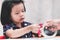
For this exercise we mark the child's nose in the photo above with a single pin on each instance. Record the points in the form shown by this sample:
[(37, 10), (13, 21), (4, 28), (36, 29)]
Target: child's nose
[(21, 14)]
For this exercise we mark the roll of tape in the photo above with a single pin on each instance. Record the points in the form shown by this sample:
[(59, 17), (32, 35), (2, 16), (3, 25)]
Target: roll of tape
[(45, 31)]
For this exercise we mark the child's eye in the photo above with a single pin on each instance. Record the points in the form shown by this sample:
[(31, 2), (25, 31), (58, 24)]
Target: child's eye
[(23, 11), (17, 13)]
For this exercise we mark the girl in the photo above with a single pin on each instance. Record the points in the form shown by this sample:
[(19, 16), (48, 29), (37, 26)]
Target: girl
[(12, 19)]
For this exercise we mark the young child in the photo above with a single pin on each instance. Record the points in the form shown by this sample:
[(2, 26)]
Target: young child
[(12, 19)]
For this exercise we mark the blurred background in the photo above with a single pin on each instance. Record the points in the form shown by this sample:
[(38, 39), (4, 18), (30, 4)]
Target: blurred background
[(38, 11)]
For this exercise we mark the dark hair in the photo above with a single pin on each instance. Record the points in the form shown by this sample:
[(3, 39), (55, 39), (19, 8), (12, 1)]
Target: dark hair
[(6, 10)]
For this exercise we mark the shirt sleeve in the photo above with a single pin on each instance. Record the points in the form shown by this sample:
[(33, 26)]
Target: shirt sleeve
[(6, 27)]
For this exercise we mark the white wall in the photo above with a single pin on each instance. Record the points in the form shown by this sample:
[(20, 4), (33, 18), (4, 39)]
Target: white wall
[(38, 10), (42, 10), (1, 28), (32, 7), (56, 9)]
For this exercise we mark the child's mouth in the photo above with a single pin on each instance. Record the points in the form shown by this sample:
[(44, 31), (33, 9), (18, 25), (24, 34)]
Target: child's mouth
[(21, 19)]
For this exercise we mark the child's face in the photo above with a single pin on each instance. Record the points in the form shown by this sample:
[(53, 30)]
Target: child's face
[(17, 13)]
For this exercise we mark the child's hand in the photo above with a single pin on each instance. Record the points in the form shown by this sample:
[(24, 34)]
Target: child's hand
[(35, 28)]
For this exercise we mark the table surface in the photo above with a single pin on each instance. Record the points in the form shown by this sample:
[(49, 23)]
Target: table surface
[(54, 38)]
